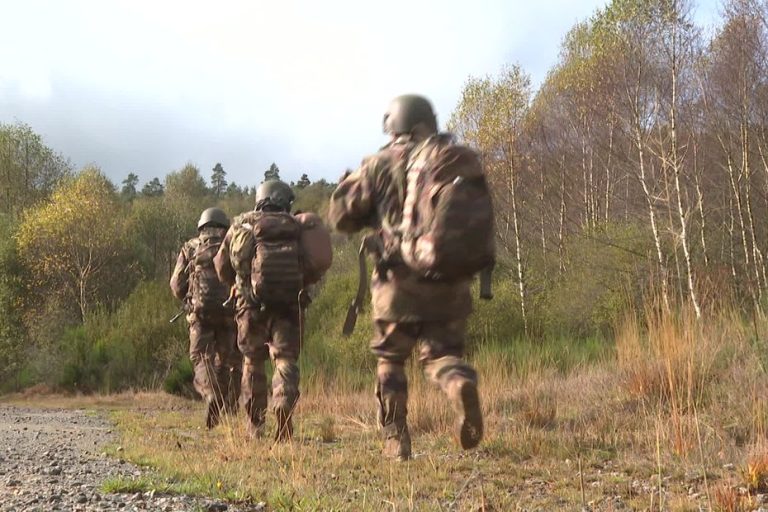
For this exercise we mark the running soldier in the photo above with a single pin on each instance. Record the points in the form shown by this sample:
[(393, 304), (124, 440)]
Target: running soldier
[(270, 257), (427, 201), (212, 334)]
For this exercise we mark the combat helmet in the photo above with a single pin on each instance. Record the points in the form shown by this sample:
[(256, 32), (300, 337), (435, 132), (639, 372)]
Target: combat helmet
[(274, 194), (213, 217), (408, 111)]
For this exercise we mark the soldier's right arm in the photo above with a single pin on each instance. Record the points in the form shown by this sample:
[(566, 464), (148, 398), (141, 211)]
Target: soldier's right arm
[(180, 276), (222, 263), (353, 205)]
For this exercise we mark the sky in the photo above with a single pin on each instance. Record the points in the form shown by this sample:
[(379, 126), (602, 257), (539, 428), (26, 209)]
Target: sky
[(147, 86)]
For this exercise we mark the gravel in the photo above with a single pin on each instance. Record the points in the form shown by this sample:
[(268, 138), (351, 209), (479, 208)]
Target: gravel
[(53, 459)]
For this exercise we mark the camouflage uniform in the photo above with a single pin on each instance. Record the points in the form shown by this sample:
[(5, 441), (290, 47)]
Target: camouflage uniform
[(264, 332), (408, 311), (212, 339)]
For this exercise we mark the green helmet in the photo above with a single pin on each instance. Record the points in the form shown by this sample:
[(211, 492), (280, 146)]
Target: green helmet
[(275, 194), (406, 112), (213, 217)]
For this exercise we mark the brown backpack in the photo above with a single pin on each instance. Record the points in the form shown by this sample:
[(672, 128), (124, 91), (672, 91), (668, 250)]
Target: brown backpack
[(315, 245), (207, 294), (276, 273), (280, 253), (448, 228)]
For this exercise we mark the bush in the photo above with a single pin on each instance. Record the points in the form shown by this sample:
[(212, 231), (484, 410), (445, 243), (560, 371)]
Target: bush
[(604, 270), (179, 379), (134, 346)]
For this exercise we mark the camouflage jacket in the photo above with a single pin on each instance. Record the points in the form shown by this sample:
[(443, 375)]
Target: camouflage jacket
[(183, 268), (226, 271), (372, 197), (224, 268)]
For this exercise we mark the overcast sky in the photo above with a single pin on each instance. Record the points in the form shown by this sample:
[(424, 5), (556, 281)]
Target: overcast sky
[(146, 86)]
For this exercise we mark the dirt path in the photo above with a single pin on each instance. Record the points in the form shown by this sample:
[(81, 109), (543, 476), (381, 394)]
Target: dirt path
[(53, 459)]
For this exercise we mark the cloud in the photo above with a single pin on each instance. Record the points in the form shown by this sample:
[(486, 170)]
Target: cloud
[(143, 86)]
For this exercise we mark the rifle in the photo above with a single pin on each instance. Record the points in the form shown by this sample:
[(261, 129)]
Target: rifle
[(369, 244), (486, 286), (178, 315)]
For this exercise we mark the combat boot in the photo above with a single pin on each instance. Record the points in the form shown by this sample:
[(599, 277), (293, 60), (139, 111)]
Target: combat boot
[(466, 402), (254, 422), (213, 416), (397, 442)]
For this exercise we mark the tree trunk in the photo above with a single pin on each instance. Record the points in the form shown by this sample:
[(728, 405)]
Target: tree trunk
[(518, 249), (676, 172)]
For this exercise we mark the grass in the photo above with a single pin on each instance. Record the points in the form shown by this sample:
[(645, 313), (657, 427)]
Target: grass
[(670, 417)]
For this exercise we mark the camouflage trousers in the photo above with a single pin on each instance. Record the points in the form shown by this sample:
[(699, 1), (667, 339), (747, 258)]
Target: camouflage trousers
[(441, 350), (217, 362), (267, 334)]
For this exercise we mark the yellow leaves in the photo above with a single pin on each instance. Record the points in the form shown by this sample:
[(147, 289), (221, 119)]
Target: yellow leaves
[(74, 233), (492, 110)]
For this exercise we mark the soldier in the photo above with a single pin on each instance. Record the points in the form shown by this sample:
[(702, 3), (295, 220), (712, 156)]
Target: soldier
[(263, 257), (212, 335), (409, 309)]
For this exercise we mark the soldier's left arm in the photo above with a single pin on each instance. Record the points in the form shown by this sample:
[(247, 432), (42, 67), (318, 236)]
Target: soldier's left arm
[(352, 205), (180, 276), (222, 263)]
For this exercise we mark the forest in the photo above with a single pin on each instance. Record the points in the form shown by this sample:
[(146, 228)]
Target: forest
[(634, 176)]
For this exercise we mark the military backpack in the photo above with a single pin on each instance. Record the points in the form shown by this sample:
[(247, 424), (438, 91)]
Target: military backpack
[(206, 293), (275, 255), (447, 230)]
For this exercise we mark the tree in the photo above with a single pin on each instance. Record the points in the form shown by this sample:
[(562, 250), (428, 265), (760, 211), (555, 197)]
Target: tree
[(273, 173), (12, 336), (303, 182), (186, 195), (218, 181), (313, 198), (152, 226), (233, 190), (128, 191), (29, 170), (72, 245), (153, 188), (490, 117), (186, 183)]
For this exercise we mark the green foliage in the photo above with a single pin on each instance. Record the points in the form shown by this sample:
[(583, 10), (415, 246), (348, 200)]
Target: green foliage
[(185, 196), (152, 228), (303, 181), (72, 245), (218, 180), (314, 197), (273, 173), (603, 272), (491, 111), (233, 190), (29, 170), (179, 379), (12, 336), (134, 346), (327, 355), (186, 183), (128, 192), (153, 188)]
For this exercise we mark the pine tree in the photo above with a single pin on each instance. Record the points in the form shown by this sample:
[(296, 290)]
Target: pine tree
[(273, 173), (218, 180)]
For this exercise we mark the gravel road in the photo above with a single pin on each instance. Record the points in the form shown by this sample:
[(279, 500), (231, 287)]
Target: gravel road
[(53, 459)]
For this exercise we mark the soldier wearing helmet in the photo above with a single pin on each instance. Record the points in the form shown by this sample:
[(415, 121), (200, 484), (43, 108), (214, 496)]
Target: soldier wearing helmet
[(408, 309), (268, 285), (212, 335)]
